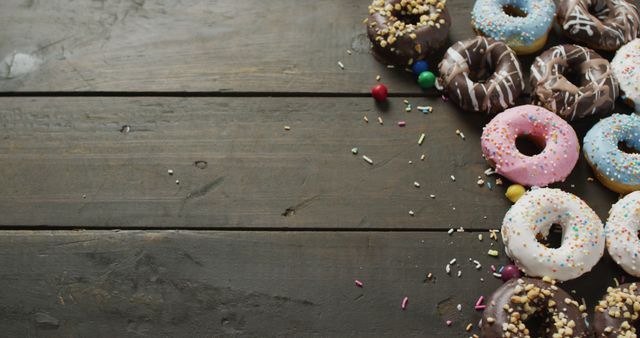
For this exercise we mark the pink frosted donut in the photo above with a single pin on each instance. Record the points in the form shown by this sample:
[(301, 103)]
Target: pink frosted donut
[(547, 130)]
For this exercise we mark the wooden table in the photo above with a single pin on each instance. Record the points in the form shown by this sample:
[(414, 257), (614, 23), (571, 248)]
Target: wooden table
[(259, 231)]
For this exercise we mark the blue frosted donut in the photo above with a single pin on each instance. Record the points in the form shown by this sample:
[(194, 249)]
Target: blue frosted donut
[(523, 24), (616, 169)]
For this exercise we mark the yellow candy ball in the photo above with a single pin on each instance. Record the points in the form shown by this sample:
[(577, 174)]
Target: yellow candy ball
[(514, 192)]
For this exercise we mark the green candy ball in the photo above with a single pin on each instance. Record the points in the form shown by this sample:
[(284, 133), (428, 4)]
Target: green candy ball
[(426, 79)]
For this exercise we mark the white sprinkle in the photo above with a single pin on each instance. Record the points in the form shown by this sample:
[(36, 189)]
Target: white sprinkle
[(366, 119), (370, 161), (340, 64), (348, 51), (421, 139), (459, 273), (416, 184), (447, 269), (378, 77), (450, 231), (422, 157), (489, 172), (411, 212), (410, 162), (453, 261), (287, 128), (478, 265), (170, 172), (458, 132), (432, 196), (497, 275), (453, 178), (459, 307), (480, 237), (460, 229), (391, 66), (380, 120), (480, 182), (177, 181)]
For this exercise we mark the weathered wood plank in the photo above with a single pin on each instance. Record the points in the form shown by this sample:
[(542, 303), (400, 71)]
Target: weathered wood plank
[(116, 284), (170, 45), (70, 162)]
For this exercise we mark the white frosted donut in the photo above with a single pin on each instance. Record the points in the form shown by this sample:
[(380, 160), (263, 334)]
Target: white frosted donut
[(534, 213), (622, 233)]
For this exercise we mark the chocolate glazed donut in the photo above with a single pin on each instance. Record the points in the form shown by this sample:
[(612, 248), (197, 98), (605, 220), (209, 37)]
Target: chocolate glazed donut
[(403, 31), (599, 24), (593, 92), (617, 313), (475, 58), (517, 302)]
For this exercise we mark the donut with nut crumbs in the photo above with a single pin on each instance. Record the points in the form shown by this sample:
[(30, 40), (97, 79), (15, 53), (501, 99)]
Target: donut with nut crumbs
[(621, 233), (403, 31), (557, 138), (592, 92), (478, 58), (533, 215), (518, 301), (626, 69), (616, 169), (617, 313), (599, 24)]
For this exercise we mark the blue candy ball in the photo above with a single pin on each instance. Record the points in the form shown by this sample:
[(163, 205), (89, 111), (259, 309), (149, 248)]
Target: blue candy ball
[(419, 67)]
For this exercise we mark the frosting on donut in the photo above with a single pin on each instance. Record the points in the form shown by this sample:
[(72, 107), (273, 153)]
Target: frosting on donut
[(516, 301), (617, 312), (626, 69), (594, 94), (405, 31), (622, 233), (490, 18), (553, 164), (478, 56), (602, 152), (612, 24), (534, 213)]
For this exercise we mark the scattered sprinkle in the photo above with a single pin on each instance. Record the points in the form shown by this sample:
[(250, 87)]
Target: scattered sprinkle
[(489, 172), (480, 182), (453, 261), (459, 133), (497, 275), (498, 181), (469, 327), (287, 128), (493, 253), (358, 283), (177, 181), (402, 123), (378, 77), (348, 51), (480, 237), (422, 157), (480, 300), (416, 184), (478, 265), (380, 120), (432, 196), (411, 213), (589, 179), (459, 307), (367, 159), (391, 66), (429, 275), (453, 178), (447, 269), (354, 150), (170, 171), (425, 109), (421, 139), (405, 301), (459, 273), (450, 231), (366, 119), (449, 322), (340, 65), (407, 108)]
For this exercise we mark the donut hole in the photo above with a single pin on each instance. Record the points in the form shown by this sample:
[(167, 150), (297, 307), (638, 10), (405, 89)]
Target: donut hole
[(535, 324), (514, 11), (554, 239), (598, 10), (530, 145), (408, 19), (626, 148)]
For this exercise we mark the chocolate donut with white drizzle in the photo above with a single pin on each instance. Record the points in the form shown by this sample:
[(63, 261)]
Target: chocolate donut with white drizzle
[(474, 58), (599, 24), (594, 91)]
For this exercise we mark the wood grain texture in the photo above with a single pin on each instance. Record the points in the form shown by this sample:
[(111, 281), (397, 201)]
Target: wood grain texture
[(70, 162), (268, 284)]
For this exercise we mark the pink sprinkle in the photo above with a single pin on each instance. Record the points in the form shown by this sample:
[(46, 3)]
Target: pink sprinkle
[(480, 307), (405, 301), (358, 283), (480, 300), (402, 123), (449, 323), (444, 98), (493, 268)]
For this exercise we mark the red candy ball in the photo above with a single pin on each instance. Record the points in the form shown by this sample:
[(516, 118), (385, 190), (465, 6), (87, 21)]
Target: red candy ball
[(379, 92), (510, 272)]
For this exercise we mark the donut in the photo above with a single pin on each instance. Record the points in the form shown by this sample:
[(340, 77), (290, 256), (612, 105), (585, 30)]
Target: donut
[(533, 214), (403, 31), (621, 233), (517, 301), (616, 169), (523, 24), (477, 58), (626, 69), (593, 91), (617, 312), (559, 140), (599, 24)]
